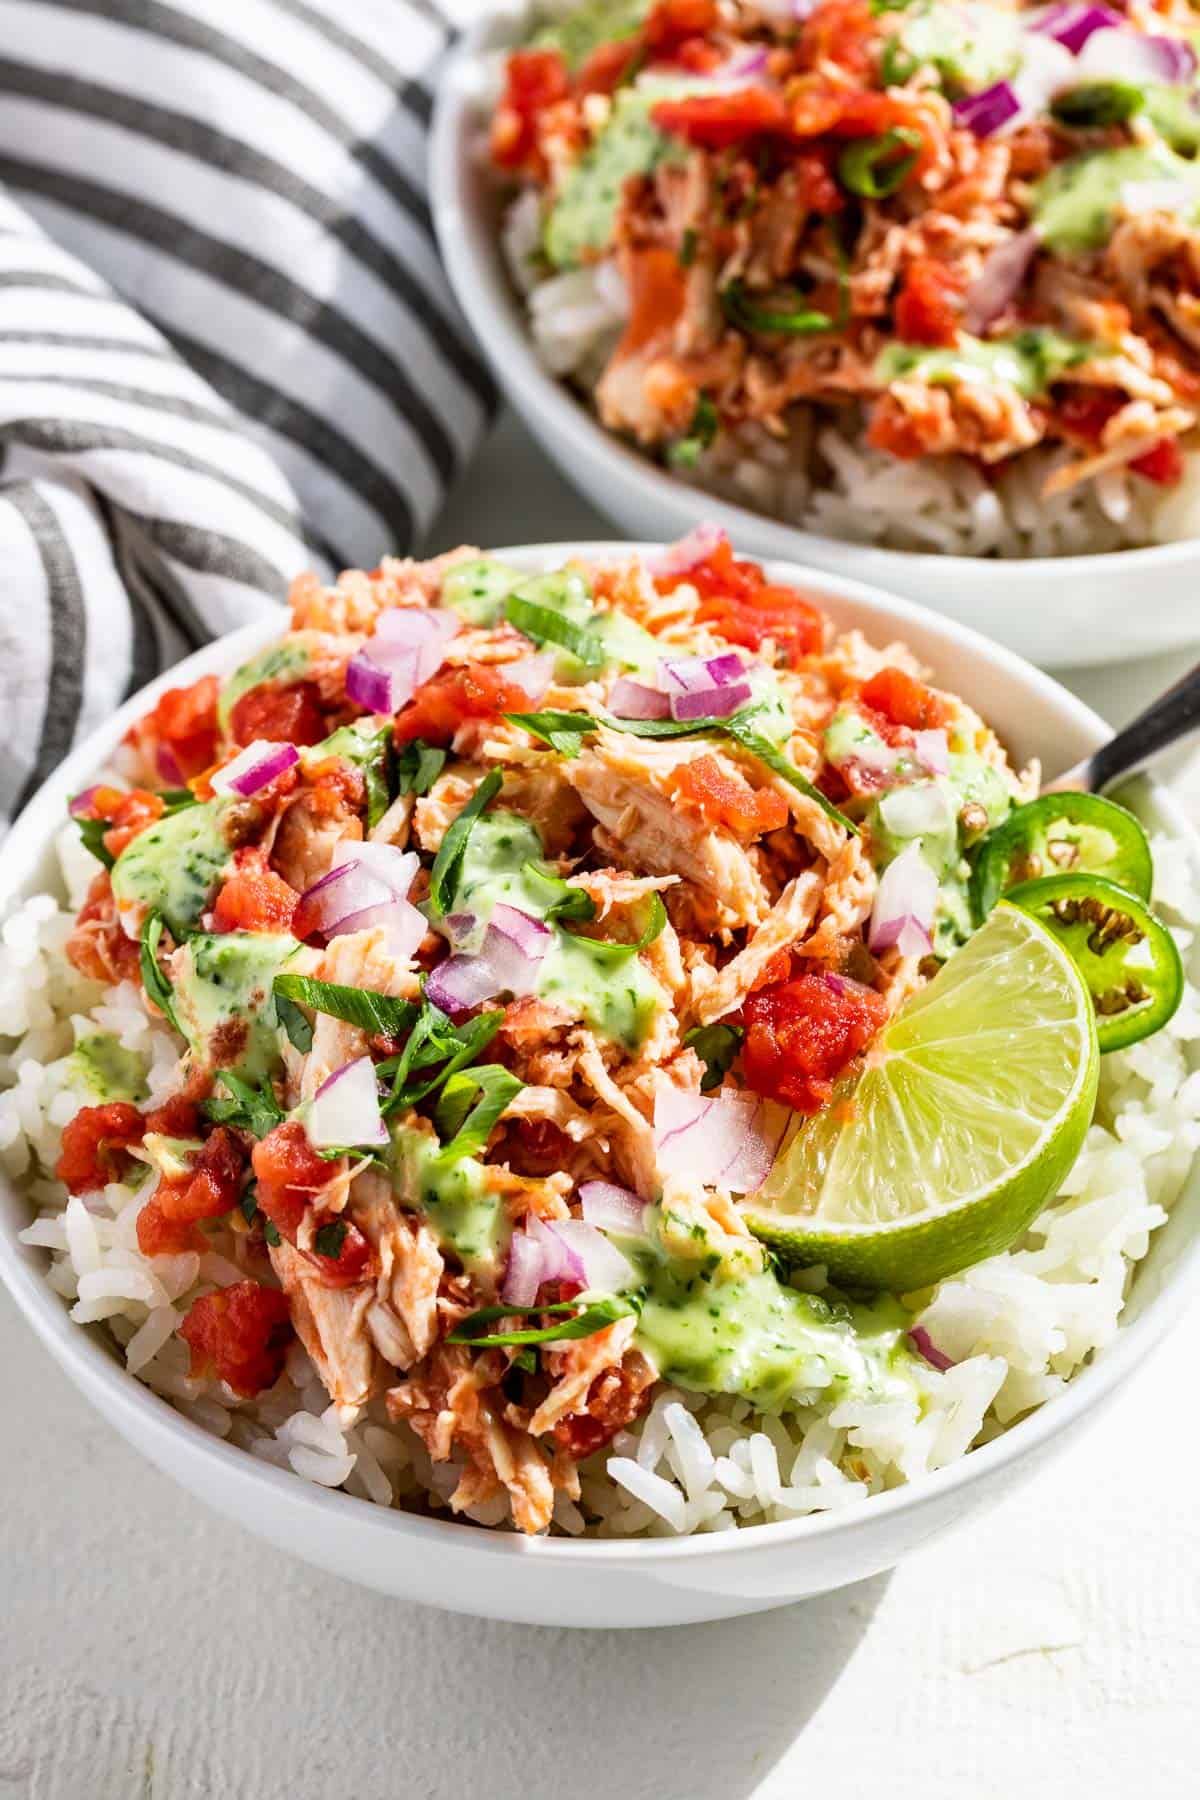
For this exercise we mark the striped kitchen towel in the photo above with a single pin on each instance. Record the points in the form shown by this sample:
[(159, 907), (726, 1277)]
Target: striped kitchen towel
[(227, 348)]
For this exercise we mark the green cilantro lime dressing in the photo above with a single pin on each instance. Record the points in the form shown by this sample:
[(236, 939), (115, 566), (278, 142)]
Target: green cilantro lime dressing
[(1074, 206), (589, 27), (618, 998), (223, 998), (582, 220), (478, 589), (281, 662), (1030, 361), (970, 46), (748, 1334), (175, 865), (100, 1066), (1172, 110), (467, 1218)]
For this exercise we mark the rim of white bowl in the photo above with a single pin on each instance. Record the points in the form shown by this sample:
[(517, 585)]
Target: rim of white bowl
[(475, 265), (90, 1362)]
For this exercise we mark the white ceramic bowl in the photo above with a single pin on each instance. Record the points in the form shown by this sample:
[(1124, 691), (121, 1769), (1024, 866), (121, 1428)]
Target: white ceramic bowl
[(1057, 611), (558, 1581)]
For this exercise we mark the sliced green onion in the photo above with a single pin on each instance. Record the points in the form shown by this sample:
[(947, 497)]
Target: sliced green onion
[(546, 626), (747, 316), (447, 864), (561, 730), (873, 167), (593, 1318), (466, 1128), (377, 1014)]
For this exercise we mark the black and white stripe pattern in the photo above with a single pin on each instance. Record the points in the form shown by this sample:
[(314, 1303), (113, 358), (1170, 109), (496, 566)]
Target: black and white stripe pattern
[(227, 348)]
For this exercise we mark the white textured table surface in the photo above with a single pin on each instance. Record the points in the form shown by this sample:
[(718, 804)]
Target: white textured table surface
[(149, 1651)]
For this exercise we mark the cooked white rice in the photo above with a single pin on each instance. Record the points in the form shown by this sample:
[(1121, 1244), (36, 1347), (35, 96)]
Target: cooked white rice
[(824, 477), (1019, 1325)]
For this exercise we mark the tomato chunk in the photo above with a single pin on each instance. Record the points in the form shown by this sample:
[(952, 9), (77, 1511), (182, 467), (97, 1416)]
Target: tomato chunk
[(166, 1224), (717, 121), (657, 292), (746, 609), (254, 898), (1162, 463), (125, 811), (290, 1175), (724, 797), (928, 308), (282, 715), (842, 32), (1083, 412), (903, 700), (474, 691), (801, 1036), (535, 81), (240, 1332), (184, 727), (95, 1145)]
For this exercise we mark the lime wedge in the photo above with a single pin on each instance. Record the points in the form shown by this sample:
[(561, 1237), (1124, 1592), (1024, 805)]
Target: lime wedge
[(973, 1106)]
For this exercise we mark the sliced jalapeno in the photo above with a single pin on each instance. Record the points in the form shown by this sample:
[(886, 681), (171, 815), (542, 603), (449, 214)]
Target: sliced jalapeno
[(1061, 834), (1127, 958)]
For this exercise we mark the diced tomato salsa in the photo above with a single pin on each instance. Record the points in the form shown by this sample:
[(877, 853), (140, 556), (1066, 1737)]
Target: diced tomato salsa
[(290, 1174), (289, 714), (184, 727), (739, 602), (804, 1034), (167, 1223), (724, 797), (241, 1334), (474, 691), (254, 898), (95, 1145)]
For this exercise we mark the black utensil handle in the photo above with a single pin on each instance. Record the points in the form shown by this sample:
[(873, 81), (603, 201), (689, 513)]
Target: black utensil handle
[(1172, 716)]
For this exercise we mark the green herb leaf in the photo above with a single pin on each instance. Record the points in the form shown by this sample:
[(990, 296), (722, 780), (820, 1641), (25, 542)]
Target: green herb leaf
[(746, 316), (527, 1360), (375, 771), (468, 1127), (561, 730), (447, 865), (1098, 103), (742, 728), (686, 452), (249, 1108), (377, 1014), (687, 247), (153, 980), (896, 64), (435, 1040), (329, 1238), (300, 1032), (546, 626), (92, 832), (418, 766), (562, 900), (716, 1046), (605, 951), (248, 1204), (873, 167), (271, 1233), (579, 1324), (176, 799)]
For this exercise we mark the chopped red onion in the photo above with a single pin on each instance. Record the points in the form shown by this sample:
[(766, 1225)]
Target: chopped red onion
[(612, 1208), (602, 1266), (1123, 55), (987, 112), (366, 887), (509, 959), (905, 901), (460, 984), (705, 687), (919, 810), (407, 650), (523, 1276), (560, 1262), (924, 1344), (999, 279), (345, 1109), (932, 751), (395, 868), (728, 1141), (689, 552), (634, 700), (253, 767), (532, 674), (82, 802), (1073, 24)]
